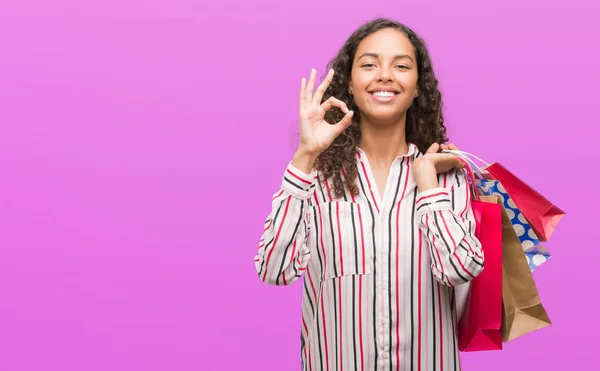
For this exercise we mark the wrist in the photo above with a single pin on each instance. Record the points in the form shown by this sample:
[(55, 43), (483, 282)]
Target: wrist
[(304, 160), (425, 176)]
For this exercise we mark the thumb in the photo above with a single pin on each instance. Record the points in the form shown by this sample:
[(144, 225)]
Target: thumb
[(434, 148), (344, 123)]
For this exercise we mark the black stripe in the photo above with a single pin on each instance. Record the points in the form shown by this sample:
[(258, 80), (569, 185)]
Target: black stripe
[(355, 239), (322, 192), (432, 203), (287, 248), (431, 252), (412, 278), (292, 183), (302, 344), (354, 319), (390, 298), (319, 326), (262, 265), (336, 317), (317, 245), (434, 333), (333, 257), (312, 307), (448, 248), (457, 179), (362, 186), (454, 321), (465, 233)]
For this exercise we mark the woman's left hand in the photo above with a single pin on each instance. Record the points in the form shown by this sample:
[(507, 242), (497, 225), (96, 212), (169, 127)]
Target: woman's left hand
[(426, 168)]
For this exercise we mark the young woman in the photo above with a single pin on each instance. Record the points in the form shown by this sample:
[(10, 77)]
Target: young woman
[(371, 214)]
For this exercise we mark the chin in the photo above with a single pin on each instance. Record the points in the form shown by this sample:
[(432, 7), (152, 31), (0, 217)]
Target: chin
[(387, 114)]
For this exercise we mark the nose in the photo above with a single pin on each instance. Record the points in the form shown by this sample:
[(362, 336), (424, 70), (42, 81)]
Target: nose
[(384, 74)]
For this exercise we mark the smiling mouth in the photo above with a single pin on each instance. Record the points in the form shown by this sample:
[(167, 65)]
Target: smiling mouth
[(384, 94)]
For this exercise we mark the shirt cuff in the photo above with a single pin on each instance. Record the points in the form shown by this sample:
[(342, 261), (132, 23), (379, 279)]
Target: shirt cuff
[(297, 183), (437, 199)]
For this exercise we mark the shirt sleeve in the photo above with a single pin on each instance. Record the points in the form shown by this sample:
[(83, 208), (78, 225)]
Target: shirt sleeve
[(283, 253), (447, 222)]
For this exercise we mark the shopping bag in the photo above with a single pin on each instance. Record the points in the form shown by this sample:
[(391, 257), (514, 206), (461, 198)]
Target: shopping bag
[(535, 252), (541, 213), (479, 326), (522, 309)]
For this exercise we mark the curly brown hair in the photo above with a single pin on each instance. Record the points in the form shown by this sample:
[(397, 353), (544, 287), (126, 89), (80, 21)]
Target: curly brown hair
[(424, 119)]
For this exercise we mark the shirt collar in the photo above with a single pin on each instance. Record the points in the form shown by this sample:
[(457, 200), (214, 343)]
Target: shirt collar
[(413, 151)]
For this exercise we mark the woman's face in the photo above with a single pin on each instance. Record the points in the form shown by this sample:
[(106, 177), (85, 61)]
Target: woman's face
[(384, 75)]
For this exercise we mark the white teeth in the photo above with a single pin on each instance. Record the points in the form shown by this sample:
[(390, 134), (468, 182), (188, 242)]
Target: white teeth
[(384, 93)]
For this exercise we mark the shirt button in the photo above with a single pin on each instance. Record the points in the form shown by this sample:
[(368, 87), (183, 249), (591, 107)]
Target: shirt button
[(383, 322), (385, 356)]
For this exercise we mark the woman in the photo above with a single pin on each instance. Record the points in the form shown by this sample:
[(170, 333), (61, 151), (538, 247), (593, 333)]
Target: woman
[(371, 214)]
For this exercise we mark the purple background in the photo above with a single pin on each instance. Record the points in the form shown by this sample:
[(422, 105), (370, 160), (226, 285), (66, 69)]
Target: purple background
[(141, 141)]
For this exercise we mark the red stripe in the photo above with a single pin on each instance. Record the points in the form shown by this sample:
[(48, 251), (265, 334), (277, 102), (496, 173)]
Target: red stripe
[(324, 331), (454, 251), (287, 204), (306, 354), (420, 251), (468, 199), (283, 275), (362, 237), (297, 177), (278, 194), (369, 185), (441, 330), (360, 326), (337, 212), (324, 267), (311, 284), (293, 253), (328, 192), (316, 196), (341, 326), (433, 195), (397, 267), (305, 327)]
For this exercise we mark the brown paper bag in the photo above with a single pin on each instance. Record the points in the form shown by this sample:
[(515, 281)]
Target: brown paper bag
[(522, 310)]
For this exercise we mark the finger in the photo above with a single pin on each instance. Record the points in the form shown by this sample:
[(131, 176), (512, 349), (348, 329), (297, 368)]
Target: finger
[(459, 162), (323, 87), (453, 147), (434, 148), (343, 123), (334, 102), (311, 85), (302, 93)]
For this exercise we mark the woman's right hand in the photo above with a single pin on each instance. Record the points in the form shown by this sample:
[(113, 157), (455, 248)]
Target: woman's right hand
[(316, 134)]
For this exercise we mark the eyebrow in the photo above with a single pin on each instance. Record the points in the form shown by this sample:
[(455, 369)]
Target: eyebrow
[(375, 55)]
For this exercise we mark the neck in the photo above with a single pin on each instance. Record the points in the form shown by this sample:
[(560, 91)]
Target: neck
[(383, 143)]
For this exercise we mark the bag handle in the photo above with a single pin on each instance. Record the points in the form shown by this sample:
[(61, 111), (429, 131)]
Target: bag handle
[(466, 154), (467, 157), (470, 177)]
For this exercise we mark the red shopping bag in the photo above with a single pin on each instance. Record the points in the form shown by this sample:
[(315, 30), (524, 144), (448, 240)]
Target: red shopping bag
[(543, 216), (541, 213), (480, 326)]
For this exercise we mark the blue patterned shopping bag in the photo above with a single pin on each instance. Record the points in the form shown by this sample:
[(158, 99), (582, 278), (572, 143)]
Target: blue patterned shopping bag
[(536, 254)]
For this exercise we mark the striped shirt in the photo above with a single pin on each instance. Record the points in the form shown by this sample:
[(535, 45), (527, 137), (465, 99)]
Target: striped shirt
[(378, 273)]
